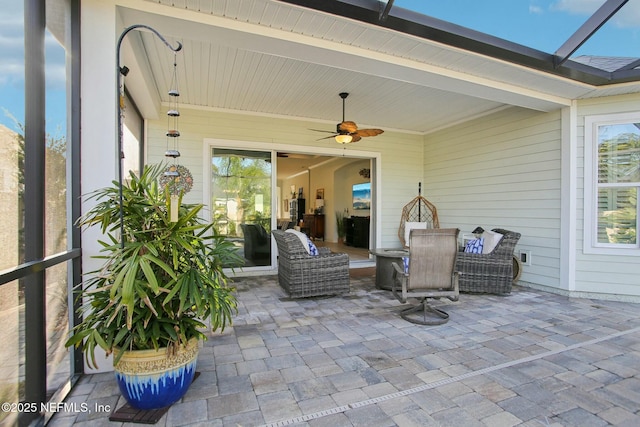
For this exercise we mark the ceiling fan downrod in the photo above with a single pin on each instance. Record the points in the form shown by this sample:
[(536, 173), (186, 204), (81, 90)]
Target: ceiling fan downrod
[(343, 95)]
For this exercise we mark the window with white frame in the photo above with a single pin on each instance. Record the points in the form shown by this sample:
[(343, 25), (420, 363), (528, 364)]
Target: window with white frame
[(612, 181)]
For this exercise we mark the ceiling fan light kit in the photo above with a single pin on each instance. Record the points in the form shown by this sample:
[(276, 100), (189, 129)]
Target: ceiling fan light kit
[(344, 138), (347, 131)]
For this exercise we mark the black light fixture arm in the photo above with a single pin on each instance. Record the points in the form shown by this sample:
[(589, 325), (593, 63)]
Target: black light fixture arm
[(120, 72)]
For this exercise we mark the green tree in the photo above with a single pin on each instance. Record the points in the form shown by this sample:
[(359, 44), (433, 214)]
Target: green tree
[(240, 180), (618, 162)]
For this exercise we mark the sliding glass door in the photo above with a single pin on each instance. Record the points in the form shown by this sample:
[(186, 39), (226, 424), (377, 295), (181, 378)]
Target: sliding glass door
[(241, 188)]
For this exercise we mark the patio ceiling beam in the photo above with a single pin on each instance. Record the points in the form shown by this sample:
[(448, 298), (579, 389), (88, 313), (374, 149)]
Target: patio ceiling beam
[(593, 24)]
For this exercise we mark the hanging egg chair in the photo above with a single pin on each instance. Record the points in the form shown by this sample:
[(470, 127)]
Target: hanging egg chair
[(418, 213)]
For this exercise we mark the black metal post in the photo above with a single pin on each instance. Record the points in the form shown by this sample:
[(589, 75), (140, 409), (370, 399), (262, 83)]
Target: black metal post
[(34, 196), (76, 184), (582, 34), (419, 202)]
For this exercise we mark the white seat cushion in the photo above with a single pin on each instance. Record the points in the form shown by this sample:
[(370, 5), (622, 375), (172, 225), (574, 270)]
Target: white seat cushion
[(306, 242), (408, 226), (491, 240)]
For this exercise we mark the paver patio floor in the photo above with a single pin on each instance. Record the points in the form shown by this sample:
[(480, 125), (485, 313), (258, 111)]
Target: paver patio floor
[(528, 359)]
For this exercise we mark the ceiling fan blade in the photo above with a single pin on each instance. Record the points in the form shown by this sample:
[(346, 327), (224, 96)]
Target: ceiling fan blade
[(369, 132), (325, 131), (347, 126), (355, 137), (327, 137)]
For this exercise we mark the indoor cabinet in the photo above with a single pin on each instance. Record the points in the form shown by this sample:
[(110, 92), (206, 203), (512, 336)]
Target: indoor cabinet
[(315, 225), (357, 231), (296, 210)]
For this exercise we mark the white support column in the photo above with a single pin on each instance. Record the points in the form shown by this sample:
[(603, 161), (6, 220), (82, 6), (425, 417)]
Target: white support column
[(98, 132), (568, 197)]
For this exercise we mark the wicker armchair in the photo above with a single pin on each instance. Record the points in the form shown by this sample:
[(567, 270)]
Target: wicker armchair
[(304, 275), (489, 273)]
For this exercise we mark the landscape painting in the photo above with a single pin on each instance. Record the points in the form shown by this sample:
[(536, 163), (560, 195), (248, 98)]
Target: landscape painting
[(362, 196)]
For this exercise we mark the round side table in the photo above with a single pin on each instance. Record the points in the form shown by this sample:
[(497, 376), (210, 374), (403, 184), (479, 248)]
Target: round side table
[(385, 257)]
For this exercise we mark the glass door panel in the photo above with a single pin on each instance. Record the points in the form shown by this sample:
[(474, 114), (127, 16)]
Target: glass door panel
[(241, 201)]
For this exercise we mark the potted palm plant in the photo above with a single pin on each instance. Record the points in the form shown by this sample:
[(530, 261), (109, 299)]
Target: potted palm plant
[(157, 287)]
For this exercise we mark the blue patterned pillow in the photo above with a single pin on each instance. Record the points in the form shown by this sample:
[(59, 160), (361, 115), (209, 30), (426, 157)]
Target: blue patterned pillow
[(312, 248), (405, 263), (306, 242), (474, 246)]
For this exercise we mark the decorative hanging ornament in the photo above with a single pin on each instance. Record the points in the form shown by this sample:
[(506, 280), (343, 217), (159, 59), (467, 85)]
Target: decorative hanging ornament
[(173, 134), (176, 178)]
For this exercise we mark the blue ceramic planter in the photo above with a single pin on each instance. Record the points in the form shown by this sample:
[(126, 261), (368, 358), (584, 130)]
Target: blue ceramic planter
[(150, 379)]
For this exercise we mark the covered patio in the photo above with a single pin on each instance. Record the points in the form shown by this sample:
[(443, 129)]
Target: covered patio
[(493, 129), (529, 359), (499, 134)]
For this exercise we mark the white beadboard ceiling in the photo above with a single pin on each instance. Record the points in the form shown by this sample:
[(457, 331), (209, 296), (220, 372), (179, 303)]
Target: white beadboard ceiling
[(271, 58)]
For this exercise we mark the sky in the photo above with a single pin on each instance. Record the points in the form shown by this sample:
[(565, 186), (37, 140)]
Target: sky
[(540, 24), (12, 72)]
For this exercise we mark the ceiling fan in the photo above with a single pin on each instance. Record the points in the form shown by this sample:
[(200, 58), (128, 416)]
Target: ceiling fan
[(347, 131)]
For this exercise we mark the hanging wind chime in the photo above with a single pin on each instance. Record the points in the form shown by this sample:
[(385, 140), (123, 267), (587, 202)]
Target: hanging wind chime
[(176, 178), (122, 71)]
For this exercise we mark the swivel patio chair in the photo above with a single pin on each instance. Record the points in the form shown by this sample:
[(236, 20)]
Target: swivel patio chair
[(491, 272), (303, 275), (430, 274)]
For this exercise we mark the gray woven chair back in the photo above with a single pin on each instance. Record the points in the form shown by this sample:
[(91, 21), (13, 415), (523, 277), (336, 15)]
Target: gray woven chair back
[(289, 245), (507, 244), (433, 258)]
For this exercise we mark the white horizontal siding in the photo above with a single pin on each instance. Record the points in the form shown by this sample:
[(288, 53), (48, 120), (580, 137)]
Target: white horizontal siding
[(502, 170), (401, 174), (611, 274)]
